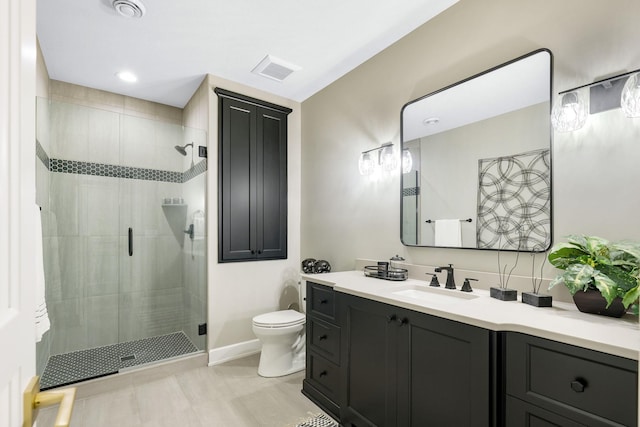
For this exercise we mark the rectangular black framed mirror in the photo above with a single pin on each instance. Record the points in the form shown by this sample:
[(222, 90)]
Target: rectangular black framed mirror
[(477, 161)]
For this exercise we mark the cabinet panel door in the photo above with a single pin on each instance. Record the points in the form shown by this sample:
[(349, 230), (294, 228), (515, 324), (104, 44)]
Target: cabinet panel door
[(369, 371), (443, 373), (272, 184), (237, 180)]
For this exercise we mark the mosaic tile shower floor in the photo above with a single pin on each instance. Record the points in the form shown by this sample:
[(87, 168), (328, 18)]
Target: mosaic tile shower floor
[(69, 368)]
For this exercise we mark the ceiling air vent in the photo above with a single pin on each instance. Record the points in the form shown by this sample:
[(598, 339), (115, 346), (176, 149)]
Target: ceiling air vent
[(274, 68), (129, 8)]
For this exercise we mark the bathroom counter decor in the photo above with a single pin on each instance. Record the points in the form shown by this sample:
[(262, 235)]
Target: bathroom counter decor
[(391, 273), (591, 263), (562, 322)]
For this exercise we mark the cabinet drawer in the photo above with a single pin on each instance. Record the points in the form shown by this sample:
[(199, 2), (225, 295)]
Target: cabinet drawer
[(323, 375), (321, 301), (325, 339), (591, 387), (519, 413)]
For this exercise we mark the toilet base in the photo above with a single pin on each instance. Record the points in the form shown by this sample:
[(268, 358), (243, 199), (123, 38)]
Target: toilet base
[(295, 367), (275, 363)]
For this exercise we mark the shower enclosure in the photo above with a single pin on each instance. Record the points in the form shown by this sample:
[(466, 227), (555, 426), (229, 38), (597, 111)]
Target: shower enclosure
[(123, 238)]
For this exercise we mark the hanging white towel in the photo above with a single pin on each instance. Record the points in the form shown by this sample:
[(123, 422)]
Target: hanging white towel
[(198, 225), (42, 316), (448, 233)]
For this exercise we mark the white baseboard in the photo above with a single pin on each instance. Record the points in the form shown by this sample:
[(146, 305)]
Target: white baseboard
[(234, 351)]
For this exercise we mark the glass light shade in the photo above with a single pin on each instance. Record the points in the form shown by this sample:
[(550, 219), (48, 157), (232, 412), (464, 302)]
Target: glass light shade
[(569, 113), (630, 98), (388, 159), (407, 161), (366, 164)]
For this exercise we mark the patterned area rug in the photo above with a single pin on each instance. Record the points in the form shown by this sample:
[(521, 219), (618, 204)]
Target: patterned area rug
[(320, 420)]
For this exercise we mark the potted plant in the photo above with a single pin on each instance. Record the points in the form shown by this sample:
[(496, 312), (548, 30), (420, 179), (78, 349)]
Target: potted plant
[(602, 276)]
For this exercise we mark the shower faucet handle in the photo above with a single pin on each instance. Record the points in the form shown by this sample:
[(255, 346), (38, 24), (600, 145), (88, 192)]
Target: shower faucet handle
[(189, 231)]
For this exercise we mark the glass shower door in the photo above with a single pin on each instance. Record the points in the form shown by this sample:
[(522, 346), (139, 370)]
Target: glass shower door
[(125, 285)]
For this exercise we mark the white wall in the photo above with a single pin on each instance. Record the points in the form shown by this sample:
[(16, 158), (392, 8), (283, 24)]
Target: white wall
[(595, 169), (239, 291)]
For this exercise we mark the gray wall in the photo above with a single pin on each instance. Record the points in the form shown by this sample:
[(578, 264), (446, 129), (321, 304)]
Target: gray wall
[(345, 216)]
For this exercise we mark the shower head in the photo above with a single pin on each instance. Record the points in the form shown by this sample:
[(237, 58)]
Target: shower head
[(182, 148)]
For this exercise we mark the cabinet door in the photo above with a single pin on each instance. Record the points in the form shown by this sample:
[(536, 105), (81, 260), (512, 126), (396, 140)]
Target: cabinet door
[(252, 179), (237, 240), (443, 372), (369, 331), (271, 173)]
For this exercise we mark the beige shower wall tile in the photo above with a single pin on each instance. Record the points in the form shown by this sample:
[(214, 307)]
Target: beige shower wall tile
[(152, 110), (85, 96), (76, 94)]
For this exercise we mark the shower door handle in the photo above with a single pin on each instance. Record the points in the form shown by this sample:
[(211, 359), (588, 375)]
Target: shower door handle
[(130, 241)]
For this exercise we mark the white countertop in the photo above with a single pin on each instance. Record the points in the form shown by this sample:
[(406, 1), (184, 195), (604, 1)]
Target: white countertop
[(562, 322)]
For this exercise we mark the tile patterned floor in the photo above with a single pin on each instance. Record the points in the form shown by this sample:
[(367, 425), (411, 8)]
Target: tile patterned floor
[(227, 395), (69, 368)]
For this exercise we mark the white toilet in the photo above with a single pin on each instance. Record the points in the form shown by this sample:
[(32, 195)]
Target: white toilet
[(282, 334)]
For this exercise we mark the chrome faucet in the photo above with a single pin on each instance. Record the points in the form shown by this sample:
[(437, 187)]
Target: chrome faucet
[(451, 283)]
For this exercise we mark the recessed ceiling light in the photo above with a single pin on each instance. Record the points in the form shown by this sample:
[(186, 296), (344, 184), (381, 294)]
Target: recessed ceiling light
[(431, 121), (127, 76), (129, 8)]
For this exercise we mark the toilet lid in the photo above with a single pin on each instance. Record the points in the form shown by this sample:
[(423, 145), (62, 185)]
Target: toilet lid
[(279, 319)]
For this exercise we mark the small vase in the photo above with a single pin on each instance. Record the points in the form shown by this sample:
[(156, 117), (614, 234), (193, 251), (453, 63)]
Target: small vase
[(503, 294), (536, 300), (591, 301)]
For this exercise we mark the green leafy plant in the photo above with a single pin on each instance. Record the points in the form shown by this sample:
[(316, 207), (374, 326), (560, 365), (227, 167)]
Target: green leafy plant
[(591, 262)]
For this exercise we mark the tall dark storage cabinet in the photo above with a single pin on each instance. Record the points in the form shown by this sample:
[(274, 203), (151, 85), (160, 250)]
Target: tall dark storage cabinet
[(252, 174)]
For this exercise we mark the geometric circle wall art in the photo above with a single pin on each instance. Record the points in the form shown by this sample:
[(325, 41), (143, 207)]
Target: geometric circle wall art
[(514, 202)]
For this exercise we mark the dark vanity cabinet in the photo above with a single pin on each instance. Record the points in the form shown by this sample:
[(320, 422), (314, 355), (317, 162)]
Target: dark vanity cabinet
[(371, 364), (322, 381), (252, 178), (403, 368), (548, 383)]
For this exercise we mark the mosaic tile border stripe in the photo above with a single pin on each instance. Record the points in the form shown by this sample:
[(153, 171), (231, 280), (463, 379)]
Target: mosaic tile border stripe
[(412, 191), (117, 171), (197, 169), (114, 171)]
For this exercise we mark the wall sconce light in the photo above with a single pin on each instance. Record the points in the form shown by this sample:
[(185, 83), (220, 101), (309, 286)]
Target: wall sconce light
[(380, 158), (407, 161), (570, 110), (569, 113), (630, 98)]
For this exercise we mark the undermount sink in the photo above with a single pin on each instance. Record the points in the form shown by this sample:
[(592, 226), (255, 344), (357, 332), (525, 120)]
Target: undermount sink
[(436, 295)]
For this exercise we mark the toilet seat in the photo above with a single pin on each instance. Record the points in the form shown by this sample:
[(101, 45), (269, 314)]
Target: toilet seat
[(279, 319)]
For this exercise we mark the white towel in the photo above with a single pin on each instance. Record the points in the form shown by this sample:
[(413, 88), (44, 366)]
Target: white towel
[(198, 225), (42, 316), (448, 233)]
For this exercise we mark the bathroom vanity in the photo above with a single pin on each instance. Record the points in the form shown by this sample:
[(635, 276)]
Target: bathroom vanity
[(402, 354)]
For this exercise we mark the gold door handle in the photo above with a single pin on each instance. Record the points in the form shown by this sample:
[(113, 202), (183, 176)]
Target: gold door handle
[(34, 399)]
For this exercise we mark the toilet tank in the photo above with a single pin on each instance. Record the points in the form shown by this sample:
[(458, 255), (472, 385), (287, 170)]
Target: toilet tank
[(293, 294), (302, 292)]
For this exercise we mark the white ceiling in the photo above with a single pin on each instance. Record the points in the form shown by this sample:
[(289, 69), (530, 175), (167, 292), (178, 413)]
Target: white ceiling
[(176, 43)]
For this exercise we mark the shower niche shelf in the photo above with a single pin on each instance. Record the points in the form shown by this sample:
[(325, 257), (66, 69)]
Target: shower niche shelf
[(173, 205)]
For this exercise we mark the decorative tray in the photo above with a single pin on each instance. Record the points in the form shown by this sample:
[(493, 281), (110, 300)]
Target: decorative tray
[(388, 273)]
